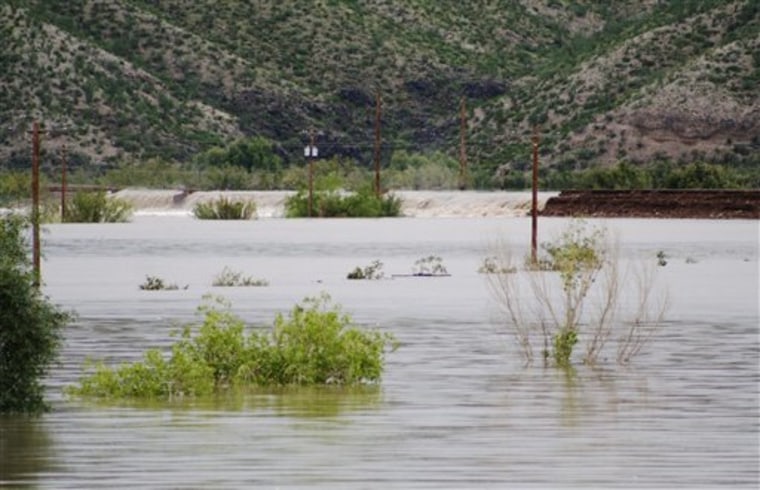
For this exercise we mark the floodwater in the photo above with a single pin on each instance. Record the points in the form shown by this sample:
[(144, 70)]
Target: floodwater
[(456, 407)]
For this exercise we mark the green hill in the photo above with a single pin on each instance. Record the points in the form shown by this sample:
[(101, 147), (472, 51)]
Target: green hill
[(628, 80)]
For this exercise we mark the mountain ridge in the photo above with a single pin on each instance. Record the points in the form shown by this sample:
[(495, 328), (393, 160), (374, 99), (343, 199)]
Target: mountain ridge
[(635, 81)]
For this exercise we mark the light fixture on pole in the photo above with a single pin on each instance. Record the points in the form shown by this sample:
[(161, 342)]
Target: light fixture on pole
[(311, 152)]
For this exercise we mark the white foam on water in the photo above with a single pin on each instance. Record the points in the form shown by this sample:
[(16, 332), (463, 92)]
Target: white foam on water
[(271, 204)]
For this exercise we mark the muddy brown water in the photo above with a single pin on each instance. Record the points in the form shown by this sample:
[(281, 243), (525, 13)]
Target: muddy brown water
[(456, 407)]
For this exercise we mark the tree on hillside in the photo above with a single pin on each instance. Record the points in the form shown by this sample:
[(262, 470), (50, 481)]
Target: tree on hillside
[(241, 163), (255, 153)]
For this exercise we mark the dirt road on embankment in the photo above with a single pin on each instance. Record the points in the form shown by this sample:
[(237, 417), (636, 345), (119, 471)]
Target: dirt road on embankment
[(702, 204)]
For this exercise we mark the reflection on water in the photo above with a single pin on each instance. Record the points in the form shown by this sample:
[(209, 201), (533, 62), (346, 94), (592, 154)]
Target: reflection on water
[(301, 402), (455, 409), (25, 450)]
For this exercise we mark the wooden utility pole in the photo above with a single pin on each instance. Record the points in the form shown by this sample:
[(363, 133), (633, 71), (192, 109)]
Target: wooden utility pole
[(36, 204), (63, 183), (311, 154), (378, 115), (534, 206), (462, 147)]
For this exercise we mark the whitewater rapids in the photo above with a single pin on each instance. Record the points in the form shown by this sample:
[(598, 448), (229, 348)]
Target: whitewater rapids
[(415, 204)]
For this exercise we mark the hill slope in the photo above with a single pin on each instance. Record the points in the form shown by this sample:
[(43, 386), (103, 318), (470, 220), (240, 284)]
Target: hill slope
[(140, 78)]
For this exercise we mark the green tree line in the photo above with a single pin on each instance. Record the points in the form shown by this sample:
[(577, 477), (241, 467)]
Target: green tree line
[(255, 164)]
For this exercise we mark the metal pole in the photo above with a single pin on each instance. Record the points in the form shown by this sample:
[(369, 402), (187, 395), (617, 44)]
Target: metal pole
[(63, 184), (36, 204), (378, 113), (534, 206), (311, 172), (462, 148)]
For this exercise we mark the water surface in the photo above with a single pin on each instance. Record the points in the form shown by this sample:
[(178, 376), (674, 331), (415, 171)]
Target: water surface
[(456, 407)]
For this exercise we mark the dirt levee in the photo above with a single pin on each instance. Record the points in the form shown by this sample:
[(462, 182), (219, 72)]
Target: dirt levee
[(707, 204)]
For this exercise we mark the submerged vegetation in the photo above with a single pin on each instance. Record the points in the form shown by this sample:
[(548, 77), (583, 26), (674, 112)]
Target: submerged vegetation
[(155, 283), (432, 265), (316, 344), (97, 207), (372, 271), (30, 326), (574, 294), (224, 208), (492, 265), (336, 204), (230, 278)]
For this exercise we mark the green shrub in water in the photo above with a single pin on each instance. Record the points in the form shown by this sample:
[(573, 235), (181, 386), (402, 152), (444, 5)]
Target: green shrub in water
[(316, 344), (224, 208), (578, 256), (372, 271), (333, 204), (97, 207), (154, 283), (431, 265), (576, 294), (230, 278), (30, 326), (492, 265)]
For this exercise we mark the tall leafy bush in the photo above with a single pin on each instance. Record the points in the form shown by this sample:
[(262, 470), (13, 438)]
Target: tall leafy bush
[(30, 326)]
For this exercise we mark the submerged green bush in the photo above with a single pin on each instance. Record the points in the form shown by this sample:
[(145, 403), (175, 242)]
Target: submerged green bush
[(30, 326), (316, 344), (431, 265), (334, 204), (372, 271), (577, 294), (578, 256), (230, 278), (155, 283), (224, 208), (492, 265), (97, 207)]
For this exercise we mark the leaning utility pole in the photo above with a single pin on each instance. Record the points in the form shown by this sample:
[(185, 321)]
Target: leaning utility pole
[(378, 115), (36, 204), (462, 147), (311, 154), (63, 183), (534, 206)]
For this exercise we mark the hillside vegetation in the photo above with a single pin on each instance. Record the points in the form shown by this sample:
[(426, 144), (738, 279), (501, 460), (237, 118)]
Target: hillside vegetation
[(128, 80)]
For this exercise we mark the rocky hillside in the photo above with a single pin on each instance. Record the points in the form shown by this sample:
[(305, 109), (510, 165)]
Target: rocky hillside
[(131, 79)]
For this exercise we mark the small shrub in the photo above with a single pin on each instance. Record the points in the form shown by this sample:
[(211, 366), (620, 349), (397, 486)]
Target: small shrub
[(224, 208), (429, 266), (14, 187), (333, 204), (372, 271), (50, 211), (492, 265), (153, 283), (230, 278), (316, 344), (390, 206), (575, 294), (97, 207)]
